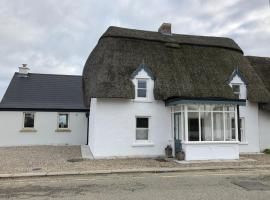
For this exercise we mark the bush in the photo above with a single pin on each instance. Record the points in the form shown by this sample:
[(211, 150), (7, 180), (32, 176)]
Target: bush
[(267, 151)]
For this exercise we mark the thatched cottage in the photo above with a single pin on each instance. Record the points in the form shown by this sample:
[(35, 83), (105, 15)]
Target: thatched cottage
[(142, 91)]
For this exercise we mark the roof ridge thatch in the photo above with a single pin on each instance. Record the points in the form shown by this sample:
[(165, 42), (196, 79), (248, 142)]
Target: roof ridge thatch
[(181, 70), (180, 39)]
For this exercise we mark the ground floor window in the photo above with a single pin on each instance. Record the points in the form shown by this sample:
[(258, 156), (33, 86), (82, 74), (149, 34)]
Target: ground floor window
[(28, 120), (210, 122), (142, 128), (242, 137), (63, 121)]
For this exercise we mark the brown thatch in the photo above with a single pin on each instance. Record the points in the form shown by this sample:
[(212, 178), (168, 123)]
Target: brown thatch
[(262, 68), (184, 66)]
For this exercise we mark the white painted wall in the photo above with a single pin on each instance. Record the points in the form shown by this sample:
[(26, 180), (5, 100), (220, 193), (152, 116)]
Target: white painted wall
[(264, 129), (211, 151), (11, 123), (113, 128), (250, 113)]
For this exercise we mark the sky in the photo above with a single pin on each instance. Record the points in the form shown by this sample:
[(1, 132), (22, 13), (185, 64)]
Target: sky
[(57, 36)]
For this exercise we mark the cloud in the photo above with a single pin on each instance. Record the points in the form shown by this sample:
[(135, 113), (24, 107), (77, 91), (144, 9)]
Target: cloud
[(57, 36)]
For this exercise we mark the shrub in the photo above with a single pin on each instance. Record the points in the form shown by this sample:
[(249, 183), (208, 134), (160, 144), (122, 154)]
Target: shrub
[(267, 151)]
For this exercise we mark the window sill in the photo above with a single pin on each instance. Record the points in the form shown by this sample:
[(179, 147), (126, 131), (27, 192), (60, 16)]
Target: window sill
[(63, 130), (212, 142), (28, 130), (142, 101), (143, 144), (243, 143)]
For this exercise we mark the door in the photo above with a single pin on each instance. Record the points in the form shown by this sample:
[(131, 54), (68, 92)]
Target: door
[(177, 133)]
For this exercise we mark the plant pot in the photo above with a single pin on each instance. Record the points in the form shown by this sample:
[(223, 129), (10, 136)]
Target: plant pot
[(180, 155)]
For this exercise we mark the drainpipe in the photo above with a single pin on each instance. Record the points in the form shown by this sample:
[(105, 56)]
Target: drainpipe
[(87, 137)]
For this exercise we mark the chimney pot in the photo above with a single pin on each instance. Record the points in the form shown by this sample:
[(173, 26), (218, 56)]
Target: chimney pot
[(24, 69), (165, 29)]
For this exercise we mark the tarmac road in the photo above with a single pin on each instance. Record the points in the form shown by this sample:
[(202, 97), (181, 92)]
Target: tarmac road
[(253, 185)]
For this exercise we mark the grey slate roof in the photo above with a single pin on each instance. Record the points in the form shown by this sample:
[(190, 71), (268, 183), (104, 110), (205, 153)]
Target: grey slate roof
[(44, 91)]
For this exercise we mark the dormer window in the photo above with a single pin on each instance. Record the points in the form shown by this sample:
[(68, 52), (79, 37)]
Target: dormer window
[(236, 90), (141, 88), (238, 84)]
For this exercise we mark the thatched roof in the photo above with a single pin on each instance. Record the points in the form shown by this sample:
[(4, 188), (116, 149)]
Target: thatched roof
[(184, 66), (262, 68)]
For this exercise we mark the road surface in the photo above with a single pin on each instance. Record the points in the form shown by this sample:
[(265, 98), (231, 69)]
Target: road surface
[(253, 185)]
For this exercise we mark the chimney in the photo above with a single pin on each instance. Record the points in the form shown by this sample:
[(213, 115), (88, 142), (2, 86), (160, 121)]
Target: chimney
[(24, 69), (165, 29)]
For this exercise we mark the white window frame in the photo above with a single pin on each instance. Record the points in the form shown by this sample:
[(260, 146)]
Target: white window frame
[(242, 130), (137, 88), (24, 113), (143, 143), (237, 93), (184, 109), (68, 121)]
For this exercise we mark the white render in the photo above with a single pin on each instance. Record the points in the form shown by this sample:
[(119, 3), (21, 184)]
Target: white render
[(11, 124), (251, 144), (112, 125), (264, 129), (211, 151)]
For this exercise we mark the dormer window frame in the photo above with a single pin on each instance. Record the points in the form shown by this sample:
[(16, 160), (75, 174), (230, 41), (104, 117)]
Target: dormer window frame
[(146, 80), (238, 93)]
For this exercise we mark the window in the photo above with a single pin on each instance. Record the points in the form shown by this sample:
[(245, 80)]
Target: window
[(62, 121), (142, 88), (242, 130), (29, 119), (142, 128), (211, 123), (236, 90)]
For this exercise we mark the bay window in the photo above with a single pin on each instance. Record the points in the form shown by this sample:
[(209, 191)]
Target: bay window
[(210, 123)]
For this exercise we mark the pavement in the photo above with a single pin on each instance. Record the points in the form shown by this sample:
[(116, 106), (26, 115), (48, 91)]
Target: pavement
[(42, 161), (246, 185)]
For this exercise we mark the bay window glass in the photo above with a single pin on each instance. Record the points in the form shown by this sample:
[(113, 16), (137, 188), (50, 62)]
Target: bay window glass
[(229, 126), (206, 126), (211, 123), (193, 126), (218, 126)]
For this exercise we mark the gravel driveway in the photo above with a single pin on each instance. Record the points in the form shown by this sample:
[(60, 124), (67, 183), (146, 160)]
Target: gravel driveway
[(57, 159)]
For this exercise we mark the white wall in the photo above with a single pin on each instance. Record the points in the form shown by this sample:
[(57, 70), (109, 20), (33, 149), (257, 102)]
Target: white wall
[(211, 151), (45, 124), (250, 113), (113, 127), (264, 129)]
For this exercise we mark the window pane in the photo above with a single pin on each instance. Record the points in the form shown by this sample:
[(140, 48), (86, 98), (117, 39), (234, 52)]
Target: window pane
[(218, 126), (142, 134), (193, 126), (63, 121), (229, 127), (193, 107), (217, 108), (142, 122), (141, 92), (29, 120), (236, 88), (206, 126), (141, 84), (229, 108)]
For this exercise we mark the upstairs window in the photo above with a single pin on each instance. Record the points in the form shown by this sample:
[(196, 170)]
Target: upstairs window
[(62, 121), (141, 88), (236, 90), (29, 119)]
